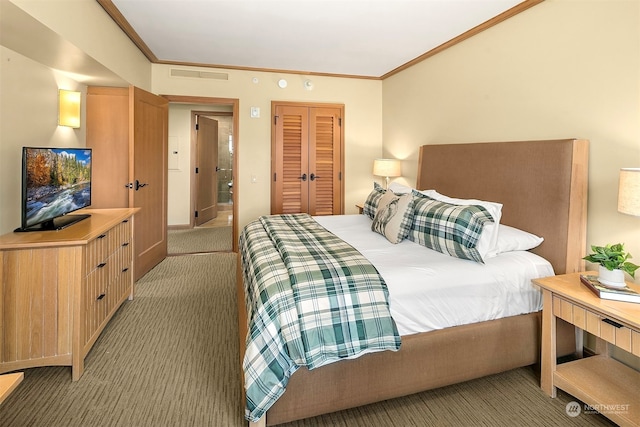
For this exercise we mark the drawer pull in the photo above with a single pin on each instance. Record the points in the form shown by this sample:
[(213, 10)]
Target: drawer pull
[(125, 221), (612, 323), (124, 245), (102, 236), (100, 297), (102, 264), (124, 270)]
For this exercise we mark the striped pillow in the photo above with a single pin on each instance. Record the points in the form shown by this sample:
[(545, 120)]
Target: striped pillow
[(451, 229), (371, 204)]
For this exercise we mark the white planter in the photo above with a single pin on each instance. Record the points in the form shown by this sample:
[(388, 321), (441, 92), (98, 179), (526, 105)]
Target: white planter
[(611, 277)]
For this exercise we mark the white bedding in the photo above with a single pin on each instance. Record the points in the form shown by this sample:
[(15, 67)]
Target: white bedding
[(429, 290)]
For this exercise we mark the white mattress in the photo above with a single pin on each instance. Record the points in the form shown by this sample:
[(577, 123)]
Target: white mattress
[(429, 290)]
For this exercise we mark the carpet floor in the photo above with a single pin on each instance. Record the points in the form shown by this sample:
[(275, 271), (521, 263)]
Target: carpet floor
[(199, 239), (170, 358)]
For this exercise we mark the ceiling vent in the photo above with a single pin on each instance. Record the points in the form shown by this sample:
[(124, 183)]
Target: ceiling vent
[(199, 74)]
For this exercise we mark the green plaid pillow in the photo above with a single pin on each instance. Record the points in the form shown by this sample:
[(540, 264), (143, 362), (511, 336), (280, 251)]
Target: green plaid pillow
[(371, 204), (451, 229)]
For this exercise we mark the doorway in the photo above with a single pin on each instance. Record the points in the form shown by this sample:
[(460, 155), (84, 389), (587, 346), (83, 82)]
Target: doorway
[(224, 113)]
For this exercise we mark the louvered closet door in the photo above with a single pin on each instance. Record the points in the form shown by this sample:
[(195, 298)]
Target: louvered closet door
[(306, 160), (324, 161), (290, 158)]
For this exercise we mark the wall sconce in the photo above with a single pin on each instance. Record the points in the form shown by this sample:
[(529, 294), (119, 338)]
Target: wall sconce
[(69, 108), (387, 168), (629, 191), (308, 84)]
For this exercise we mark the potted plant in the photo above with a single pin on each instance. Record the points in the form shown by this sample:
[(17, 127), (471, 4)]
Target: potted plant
[(612, 260)]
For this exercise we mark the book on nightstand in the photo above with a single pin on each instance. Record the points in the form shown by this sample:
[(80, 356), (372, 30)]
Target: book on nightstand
[(605, 292)]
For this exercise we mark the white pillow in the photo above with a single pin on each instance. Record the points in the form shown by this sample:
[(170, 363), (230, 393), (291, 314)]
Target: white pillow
[(399, 188), (514, 239), (488, 240)]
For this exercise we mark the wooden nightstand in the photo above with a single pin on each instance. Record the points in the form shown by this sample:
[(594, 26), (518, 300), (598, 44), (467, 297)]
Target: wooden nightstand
[(8, 383), (599, 381), (360, 208)]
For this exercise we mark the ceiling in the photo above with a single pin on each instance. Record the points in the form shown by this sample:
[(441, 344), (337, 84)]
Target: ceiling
[(363, 38)]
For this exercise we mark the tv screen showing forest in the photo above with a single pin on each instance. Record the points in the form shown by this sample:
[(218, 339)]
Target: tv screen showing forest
[(56, 181)]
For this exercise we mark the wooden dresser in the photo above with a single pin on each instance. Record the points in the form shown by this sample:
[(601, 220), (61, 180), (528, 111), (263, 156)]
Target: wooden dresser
[(61, 288)]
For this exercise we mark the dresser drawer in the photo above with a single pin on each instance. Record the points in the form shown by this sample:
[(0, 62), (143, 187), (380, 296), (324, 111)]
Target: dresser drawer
[(106, 244), (99, 249), (108, 264), (602, 327)]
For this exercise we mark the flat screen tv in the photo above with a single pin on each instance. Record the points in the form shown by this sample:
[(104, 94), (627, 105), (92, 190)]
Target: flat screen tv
[(55, 182)]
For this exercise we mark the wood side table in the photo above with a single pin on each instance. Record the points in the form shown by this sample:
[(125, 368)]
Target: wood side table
[(603, 383), (8, 383)]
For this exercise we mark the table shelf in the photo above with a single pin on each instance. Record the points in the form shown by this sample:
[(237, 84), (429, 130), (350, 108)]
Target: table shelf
[(604, 384)]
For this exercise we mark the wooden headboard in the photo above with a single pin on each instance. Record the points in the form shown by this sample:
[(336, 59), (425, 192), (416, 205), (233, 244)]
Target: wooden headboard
[(541, 184)]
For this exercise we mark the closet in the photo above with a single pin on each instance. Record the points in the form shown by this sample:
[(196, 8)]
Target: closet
[(127, 129), (307, 158)]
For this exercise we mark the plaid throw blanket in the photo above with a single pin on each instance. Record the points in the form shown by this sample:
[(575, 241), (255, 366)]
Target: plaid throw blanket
[(312, 299)]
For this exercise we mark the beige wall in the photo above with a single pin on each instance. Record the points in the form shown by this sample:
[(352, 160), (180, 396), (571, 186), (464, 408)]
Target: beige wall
[(88, 27), (42, 36), (363, 129), (28, 117), (561, 69)]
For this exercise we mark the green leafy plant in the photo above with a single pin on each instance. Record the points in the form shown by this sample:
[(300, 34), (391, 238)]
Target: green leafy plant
[(612, 257)]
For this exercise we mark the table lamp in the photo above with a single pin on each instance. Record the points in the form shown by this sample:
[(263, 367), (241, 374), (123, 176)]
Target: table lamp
[(387, 168), (629, 191)]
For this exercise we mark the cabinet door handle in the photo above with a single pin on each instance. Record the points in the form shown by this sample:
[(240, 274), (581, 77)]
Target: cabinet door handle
[(124, 270), (102, 264), (612, 323), (304, 177), (313, 177), (125, 244), (100, 297)]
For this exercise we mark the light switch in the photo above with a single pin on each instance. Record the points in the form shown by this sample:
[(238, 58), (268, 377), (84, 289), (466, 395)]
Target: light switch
[(255, 112)]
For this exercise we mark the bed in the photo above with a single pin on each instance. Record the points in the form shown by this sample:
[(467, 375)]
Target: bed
[(542, 186)]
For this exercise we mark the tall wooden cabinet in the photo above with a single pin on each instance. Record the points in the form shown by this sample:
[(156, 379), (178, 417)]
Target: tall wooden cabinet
[(59, 289), (127, 129), (307, 159)]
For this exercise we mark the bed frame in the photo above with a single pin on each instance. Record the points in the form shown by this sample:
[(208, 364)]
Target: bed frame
[(543, 188)]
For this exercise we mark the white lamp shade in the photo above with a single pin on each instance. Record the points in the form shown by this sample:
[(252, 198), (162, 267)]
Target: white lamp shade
[(387, 167), (629, 191)]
